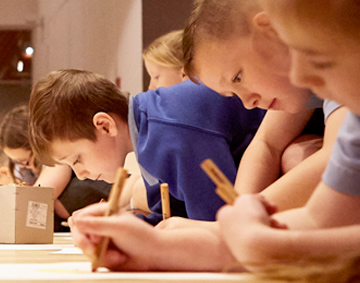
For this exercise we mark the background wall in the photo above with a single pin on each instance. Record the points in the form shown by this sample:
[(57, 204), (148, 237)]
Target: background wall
[(16, 15), (100, 36)]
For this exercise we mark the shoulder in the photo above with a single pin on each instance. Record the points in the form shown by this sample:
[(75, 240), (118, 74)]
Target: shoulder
[(342, 170), (329, 107)]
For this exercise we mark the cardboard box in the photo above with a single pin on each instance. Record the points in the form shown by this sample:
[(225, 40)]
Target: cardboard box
[(27, 214)]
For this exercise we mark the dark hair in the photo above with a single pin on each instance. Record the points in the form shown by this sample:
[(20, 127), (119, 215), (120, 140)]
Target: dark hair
[(14, 129), (14, 133)]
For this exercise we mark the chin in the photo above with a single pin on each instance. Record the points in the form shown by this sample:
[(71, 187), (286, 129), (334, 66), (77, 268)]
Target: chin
[(294, 111), (294, 108), (106, 180)]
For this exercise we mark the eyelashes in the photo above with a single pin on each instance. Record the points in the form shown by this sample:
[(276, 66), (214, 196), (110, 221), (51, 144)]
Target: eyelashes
[(77, 160), (237, 78), (322, 65)]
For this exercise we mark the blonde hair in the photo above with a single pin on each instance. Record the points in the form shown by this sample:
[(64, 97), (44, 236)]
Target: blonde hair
[(166, 50), (337, 269)]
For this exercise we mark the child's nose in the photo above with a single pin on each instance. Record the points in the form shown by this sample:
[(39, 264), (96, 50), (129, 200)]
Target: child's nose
[(81, 173), (251, 100)]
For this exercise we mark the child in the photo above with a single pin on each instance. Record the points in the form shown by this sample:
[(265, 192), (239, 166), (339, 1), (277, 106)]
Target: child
[(163, 60), (171, 130), (69, 193), (324, 41), (249, 60)]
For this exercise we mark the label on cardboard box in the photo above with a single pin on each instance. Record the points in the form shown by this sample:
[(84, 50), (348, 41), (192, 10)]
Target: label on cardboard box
[(36, 215)]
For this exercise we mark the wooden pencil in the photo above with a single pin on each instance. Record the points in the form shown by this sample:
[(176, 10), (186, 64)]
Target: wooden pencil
[(224, 188), (64, 224), (224, 195), (113, 207), (165, 201)]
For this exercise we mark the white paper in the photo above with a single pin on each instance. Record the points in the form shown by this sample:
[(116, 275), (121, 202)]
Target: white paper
[(62, 234), (69, 251), (34, 247)]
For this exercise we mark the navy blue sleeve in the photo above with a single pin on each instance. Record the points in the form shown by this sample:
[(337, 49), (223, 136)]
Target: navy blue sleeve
[(178, 207), (178, 156)]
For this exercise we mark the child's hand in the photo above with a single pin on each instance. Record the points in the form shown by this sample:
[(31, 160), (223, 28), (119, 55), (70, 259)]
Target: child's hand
[(243, 225), (180, 222), (85, 241), (132, 240), (5, 176)]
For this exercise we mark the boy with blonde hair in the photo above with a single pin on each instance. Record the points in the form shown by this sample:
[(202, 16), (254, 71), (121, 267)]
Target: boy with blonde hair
[(324, 41), (249, 60)]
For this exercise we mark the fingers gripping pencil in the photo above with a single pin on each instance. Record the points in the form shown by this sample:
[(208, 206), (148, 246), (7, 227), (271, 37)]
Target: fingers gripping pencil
[(224, 187), (113, 206)]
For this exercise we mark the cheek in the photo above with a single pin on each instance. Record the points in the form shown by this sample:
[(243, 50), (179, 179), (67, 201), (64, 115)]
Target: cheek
[(343, 89), (108, 157), (172, 78), (264, 83)]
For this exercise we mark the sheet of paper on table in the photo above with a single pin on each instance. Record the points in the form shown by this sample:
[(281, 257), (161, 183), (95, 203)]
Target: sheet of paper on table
[(34, 247), (69, 251)]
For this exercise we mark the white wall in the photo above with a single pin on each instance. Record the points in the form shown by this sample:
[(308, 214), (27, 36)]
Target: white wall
[(97, 35), (18, 14)]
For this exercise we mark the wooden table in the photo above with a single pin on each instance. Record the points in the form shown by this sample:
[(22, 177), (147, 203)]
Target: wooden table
[(19, 263)]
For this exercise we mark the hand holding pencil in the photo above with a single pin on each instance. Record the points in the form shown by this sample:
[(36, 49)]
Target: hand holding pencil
[(112, 208), (224, 187)]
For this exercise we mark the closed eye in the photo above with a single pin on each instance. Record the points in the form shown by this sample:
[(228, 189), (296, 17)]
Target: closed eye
[(77, 160), (322, 65), (237, 78)]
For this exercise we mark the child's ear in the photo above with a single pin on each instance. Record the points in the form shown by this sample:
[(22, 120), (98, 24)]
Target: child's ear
[(104, 123), (184, 77), (261, 22)]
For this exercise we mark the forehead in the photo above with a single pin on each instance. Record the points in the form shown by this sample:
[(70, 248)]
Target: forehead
[(150, 65), (307, 28), (61, 149), (153, 67), (16, 152), (332, 19), (219, 56)]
